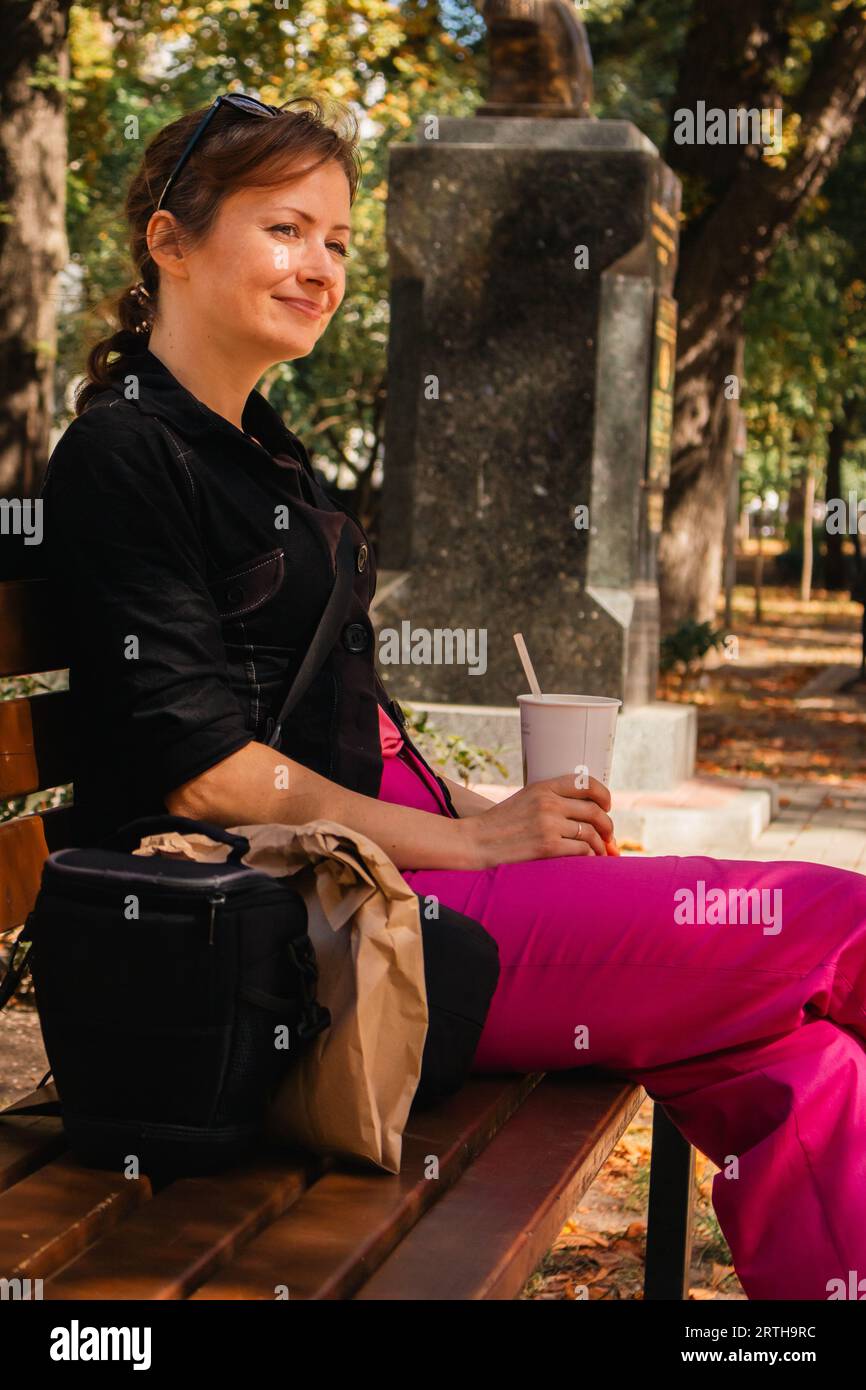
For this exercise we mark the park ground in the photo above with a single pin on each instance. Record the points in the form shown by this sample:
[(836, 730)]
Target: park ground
[(754, 721)]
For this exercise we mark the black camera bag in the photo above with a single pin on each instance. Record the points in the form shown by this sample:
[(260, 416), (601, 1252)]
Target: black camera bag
[(172, 995)]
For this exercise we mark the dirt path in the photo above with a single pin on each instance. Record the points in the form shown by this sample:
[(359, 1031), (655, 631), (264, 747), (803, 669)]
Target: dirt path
[(22, 1057), (751, 721)]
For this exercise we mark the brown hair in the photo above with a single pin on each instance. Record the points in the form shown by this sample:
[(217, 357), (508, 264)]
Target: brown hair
[(236, 151)]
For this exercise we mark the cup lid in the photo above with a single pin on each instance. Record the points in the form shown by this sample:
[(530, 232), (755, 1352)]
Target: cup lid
[(599, 701)]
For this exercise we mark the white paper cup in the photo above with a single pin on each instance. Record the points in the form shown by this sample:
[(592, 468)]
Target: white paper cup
[(567, 733)]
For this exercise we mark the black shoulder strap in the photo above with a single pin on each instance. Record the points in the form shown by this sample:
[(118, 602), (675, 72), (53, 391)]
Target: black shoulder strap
[(326, 634)]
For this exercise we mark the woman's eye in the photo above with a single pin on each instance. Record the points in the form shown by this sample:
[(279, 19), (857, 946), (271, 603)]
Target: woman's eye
[(293, 227)]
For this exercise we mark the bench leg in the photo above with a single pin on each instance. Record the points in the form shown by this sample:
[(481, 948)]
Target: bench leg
[(669, 1217)]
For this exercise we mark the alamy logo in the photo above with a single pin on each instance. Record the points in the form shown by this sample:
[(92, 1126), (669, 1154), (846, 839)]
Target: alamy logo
[(20, 1290), (77, 1343), (441, 646), (721, 906), (16, 518), (841, 519), (855, 1288), (737, 126)]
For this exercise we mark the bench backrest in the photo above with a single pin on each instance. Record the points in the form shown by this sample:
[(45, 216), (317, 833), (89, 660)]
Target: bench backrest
[(35, 743)]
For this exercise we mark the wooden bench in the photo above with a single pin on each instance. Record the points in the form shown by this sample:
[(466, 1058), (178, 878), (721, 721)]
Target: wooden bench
[(515, 1154)]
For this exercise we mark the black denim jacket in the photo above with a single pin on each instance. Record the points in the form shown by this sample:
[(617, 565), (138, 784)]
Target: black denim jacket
[(191, 588)]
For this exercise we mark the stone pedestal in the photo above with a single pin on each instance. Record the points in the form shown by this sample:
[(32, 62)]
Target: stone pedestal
[(532, 263)]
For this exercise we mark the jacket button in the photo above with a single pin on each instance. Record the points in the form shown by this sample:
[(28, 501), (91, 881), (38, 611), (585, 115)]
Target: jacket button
[(235, 594), (355, 637), (361, 559)]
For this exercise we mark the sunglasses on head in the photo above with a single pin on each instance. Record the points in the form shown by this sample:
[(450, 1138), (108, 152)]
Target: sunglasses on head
[(249, 105)]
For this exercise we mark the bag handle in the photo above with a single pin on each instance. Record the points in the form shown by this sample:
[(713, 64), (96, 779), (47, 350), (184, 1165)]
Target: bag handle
[(128, 836)]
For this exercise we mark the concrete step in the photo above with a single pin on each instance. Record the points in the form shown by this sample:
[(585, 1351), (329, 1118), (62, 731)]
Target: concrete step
[(701, 815)]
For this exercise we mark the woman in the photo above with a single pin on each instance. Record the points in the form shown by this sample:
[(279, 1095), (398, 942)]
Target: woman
[(195, 547)]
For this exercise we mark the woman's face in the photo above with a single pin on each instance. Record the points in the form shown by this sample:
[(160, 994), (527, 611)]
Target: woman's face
[(269, 277)]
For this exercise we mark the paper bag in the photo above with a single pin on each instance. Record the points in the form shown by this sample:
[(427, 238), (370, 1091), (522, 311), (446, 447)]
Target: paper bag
[(350, 1091)]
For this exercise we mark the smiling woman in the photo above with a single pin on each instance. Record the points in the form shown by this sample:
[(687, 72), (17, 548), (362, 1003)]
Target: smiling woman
[(246, 243), (196, 553), (261, 288)]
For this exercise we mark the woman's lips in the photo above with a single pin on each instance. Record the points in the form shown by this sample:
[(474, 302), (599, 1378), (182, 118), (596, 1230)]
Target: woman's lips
[(303, 306)]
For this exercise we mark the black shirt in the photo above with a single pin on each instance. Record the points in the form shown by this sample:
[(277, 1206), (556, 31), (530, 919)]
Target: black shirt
[(192, 587)]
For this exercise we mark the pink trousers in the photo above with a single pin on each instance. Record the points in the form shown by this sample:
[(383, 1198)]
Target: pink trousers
[(744, 1015)]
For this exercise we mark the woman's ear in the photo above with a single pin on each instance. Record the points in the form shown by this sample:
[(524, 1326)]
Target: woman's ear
[(164, 242)]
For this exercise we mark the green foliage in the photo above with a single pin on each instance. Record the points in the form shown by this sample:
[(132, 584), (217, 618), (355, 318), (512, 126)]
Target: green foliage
[(441, 749), (635, 48), (685, 648)]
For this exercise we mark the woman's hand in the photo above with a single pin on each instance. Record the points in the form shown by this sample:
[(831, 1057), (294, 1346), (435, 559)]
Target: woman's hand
[(543, 821)]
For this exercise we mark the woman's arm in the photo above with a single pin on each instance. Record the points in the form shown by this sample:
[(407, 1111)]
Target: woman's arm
[(469, 803), (466, 802), (257, 785)]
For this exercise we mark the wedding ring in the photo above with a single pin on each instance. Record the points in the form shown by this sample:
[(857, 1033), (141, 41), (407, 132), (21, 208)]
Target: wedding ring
[(579, 829)]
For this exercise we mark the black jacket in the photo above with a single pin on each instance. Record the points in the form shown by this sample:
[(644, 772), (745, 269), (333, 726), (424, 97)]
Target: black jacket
[(191, 588)]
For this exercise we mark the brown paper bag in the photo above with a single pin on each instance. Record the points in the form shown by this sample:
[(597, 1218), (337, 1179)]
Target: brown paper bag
[(352, 1088)]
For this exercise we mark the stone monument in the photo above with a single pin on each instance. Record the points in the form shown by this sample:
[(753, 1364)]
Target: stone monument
[(530, 387)]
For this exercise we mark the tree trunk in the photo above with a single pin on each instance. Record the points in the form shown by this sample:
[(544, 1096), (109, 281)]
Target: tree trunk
[(731, 518), (834, 570), (691, 546), (34, 68), (729, 59), (808, 510), (794, 509)]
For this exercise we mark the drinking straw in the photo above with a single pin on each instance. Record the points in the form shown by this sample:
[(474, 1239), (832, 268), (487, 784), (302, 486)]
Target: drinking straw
[(527, 665)]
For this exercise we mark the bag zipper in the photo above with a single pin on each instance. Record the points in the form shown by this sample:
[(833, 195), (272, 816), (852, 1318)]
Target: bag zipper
[(215, 900), (86, 882), (185, 902)]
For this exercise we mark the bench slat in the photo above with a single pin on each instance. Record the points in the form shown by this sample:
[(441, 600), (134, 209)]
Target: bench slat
[(487, 1235), (23, 851), (48, 1217), (339, 1231), (35, 748), (28, 1141), (30, 635), (167, 1247), (24, 846)]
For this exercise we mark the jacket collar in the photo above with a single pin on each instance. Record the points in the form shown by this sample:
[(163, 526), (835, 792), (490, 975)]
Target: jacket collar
[(160, 393)]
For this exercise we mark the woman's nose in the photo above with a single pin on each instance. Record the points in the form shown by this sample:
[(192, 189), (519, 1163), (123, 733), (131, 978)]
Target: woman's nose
[(318, 264)]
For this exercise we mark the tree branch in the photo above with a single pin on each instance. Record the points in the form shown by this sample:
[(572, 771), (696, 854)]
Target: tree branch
[(721, 263)]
